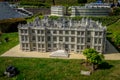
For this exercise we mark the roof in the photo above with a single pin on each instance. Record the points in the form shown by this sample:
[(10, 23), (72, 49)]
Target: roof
[(7, 12), (59, 53)]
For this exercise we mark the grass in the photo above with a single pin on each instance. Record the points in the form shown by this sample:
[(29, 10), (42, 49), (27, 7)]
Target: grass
[(55, 69), (115, 27), (52, 69), (113, 30), (13, 41)]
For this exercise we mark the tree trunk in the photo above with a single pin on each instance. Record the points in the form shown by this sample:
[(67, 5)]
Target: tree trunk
[(53, 2), (93, 67)]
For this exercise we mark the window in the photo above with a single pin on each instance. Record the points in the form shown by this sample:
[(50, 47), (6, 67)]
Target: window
[(48, 32), (66, 46), (96, 33), (49, 38), (34, 45), (43, 46), (60, 32), (99, 41), (38, 45), (99, 48), (72, 39), (100, 33), (49, 45), (95, 47), (38, 38), (60, 38), (38, 31), (81, 47), (88, 33), (72, 32), (78, 47), (82, 40), (21, 31), (42, 39), (33, 38), (78, 33), (54, 32), (72, 46), (82, 33), (25, 31), (23, 45), (33, 31), (26, 45), (95, 41), (42, 32), (54, 38), (88, 46), (88, 40), (54, 45), (66, 32), (78, 40), (22, 38), (66, 39), (26, 38)]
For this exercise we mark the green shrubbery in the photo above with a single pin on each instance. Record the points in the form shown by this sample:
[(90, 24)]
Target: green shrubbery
[(114, 34), (116, 11), (105, 20), (10, 25), (35, 3)]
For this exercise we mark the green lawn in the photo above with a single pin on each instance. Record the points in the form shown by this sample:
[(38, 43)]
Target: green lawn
[(56, 69), (13, 41), (51, 69), (115, 27), (114, 33)]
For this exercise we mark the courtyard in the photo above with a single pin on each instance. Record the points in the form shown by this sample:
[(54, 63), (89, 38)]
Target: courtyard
[(16, 52)]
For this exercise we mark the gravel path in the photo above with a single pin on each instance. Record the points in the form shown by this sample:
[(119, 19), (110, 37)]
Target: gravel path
[(16, 52)]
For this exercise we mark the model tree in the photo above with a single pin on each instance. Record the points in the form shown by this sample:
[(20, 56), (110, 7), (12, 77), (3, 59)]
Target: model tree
[(93, 57), (53, 1)]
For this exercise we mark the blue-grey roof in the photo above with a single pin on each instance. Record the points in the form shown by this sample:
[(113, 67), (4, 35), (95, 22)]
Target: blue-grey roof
[(7, 12)]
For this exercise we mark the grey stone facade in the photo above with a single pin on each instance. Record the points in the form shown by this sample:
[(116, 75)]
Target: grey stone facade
[(92, 9), (47, 35), (58, 10)]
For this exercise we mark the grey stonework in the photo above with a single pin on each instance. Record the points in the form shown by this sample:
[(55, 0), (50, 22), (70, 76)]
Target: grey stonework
[(58, 10), (47, 35), (91, 9)]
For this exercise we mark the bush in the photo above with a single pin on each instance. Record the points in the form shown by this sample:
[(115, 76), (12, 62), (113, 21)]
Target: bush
[(82, 1), (116, 11), (10, 25)]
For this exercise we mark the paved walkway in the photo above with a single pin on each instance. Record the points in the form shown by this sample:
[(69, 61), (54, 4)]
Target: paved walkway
[(16, 52)]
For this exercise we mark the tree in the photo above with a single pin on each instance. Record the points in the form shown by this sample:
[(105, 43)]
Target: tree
[(93, 57), (82, 1), (116, 11), (53, 1)]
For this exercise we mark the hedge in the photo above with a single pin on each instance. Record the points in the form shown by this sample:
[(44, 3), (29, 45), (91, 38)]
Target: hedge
[(10, 25)]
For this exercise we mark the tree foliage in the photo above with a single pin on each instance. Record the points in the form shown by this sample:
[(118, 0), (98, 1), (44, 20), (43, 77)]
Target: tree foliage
[(116, 38), (93, 56), (116, 11), (82, 1)]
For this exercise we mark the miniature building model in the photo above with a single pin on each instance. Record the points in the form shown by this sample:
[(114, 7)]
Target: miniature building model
[(91, 9), (47, 35), (58, 10)]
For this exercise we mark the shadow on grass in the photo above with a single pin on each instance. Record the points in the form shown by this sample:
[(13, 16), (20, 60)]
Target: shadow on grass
[(105, 65)]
